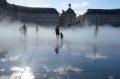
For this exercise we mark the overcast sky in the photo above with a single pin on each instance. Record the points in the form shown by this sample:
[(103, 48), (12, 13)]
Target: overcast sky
[(79, 6)]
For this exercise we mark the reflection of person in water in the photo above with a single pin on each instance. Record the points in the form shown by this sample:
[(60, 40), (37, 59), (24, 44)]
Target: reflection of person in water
[(96, 31), (57, 44), (57, 32), (94, 49), (57, 47)]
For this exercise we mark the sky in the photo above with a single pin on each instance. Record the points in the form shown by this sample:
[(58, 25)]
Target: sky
[(79, 6)]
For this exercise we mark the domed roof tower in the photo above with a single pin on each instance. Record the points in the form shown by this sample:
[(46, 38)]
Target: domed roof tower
[(70, 11)]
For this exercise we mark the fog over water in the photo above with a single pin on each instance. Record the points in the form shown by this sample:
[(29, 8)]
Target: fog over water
[(10, 36)]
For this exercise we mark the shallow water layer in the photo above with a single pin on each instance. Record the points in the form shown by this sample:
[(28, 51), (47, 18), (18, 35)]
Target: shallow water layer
[(39, 55)]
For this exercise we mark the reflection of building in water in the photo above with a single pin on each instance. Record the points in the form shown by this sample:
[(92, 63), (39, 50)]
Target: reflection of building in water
[(68, 17), (103, 16), (41, 16)]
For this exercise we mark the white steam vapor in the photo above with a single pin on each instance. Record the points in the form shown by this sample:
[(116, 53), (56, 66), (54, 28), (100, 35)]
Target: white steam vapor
[(10, 36)]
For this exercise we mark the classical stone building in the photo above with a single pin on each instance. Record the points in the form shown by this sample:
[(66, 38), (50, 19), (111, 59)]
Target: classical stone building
[(68, 17), (103, 17), (41, 16), (80, 19), (4, 10)]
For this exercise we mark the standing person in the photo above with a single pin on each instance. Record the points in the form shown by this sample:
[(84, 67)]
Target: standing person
[(96, 31), (61, 42), (37, 30), (57, 32), (24, 30), (61, 35), (21, 29)]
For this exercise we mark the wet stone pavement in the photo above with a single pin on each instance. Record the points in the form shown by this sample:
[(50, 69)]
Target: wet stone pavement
[(42, 62)]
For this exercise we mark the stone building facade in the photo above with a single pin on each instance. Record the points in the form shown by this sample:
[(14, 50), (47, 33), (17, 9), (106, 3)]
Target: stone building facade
[(68, 17), (103, 17), (40, 16)]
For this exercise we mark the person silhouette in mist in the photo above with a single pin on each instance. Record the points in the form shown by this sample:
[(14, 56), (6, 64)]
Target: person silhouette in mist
[(61, 35), (24, 29), (37, 30), (57, 32), (21, 29), (96, 31)]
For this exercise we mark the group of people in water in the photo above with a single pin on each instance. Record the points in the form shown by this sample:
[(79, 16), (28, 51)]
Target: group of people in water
[(23, 29), (58, 34), (57, 31)]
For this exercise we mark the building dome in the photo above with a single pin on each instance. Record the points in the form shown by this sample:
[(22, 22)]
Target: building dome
[(70, 11)]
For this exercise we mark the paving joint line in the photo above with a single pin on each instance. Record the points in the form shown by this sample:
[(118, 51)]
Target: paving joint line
[(28, 62)]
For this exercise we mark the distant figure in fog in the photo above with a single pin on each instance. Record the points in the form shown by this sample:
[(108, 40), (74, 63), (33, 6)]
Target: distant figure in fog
[(37, 30), (21, 29), (57, 32), (24, 29), (96, 31)]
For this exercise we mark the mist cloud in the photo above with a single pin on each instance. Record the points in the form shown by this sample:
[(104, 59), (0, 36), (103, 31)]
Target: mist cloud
[(10, 36)]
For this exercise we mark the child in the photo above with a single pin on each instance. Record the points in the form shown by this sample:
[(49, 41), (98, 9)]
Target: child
[(61, 35)]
